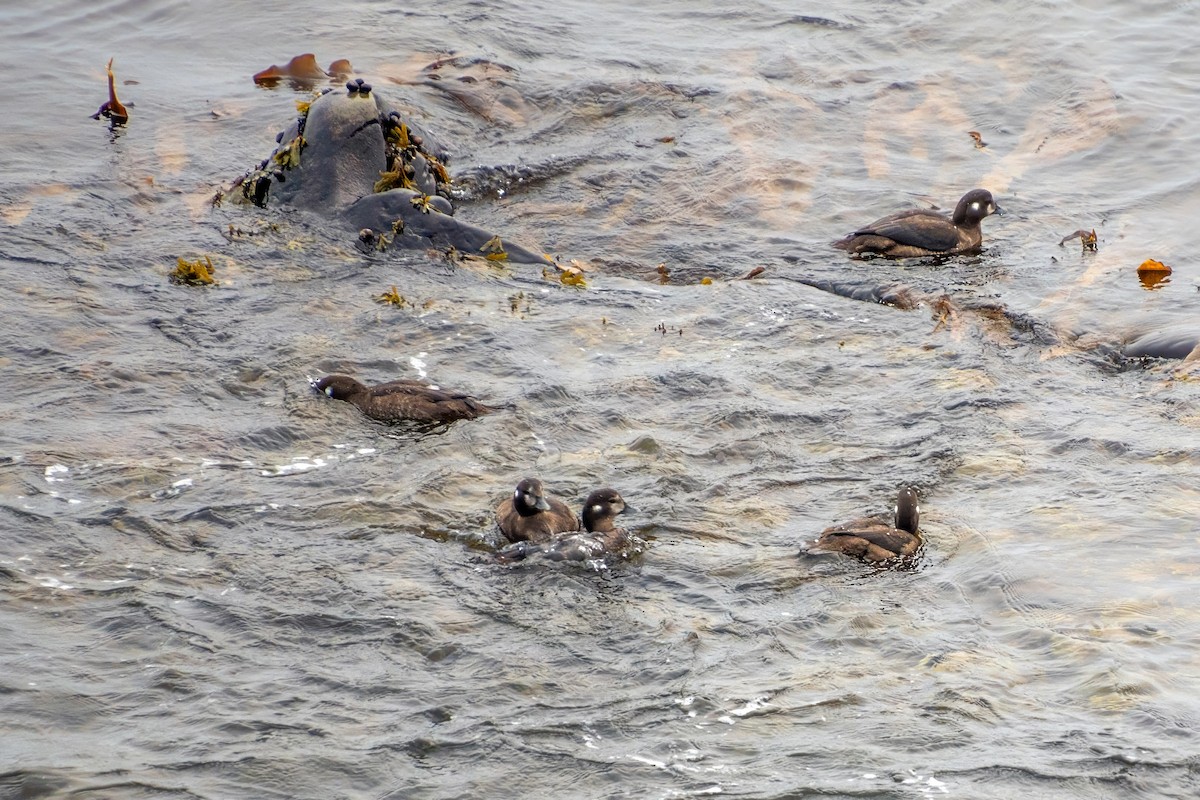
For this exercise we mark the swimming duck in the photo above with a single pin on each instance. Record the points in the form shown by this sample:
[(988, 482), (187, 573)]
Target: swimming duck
[(531, 516), (402, 400), (876, 538), (599, 537), (921, 232)]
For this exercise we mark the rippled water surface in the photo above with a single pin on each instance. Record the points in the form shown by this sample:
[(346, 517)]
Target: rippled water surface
[(217, 583)]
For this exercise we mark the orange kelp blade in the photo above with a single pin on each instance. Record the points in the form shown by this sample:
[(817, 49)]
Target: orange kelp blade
[(113, 109), (302, 68), (1153, 273)]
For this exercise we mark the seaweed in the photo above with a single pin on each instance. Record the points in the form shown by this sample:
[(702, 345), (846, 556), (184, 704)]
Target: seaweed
[(193, 273), (393, 298), (1153, 274), (1086, 238), (569, 275), (493, 249), (112, 109), (302, 69)]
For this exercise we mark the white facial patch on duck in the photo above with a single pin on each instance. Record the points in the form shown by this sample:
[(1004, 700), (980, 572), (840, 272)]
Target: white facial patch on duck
[(975, 206), (329, 391), (596, 509)]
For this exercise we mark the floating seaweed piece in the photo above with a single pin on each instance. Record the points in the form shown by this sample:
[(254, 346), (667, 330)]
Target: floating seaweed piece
[(754, 273), (664, 274), (946, 312), (979, 142), (493, 249), (1086, 238), (113, 109), (301, 68), (393, 298), (193, 273), (1153, 274), (706, 281), (340, 68), (569, 275)]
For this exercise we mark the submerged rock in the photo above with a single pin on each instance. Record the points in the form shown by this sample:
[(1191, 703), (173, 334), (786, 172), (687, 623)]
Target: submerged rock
[(352, 156)]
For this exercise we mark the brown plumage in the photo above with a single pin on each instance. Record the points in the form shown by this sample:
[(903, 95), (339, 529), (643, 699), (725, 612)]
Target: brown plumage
[(599, 538), (402, 400), (921, 232), (529, 515), (876, 538)]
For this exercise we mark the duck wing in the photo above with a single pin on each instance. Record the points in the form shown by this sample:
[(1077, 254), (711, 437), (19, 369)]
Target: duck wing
[(926, 229), (887, 538), (416, 389)]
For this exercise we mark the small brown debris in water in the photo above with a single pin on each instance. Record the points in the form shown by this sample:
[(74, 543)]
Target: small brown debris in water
[(979, 142), (664, 274), (515, 302), (754, 273), (112, 109), (706, 281), (945, 310), (666, 139), (1086, 238), (193, 273)]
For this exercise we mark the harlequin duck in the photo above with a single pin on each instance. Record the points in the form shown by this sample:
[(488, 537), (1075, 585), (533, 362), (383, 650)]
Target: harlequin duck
[(402, 400), (876, 538), (921, 232), (531, 516), (600, 535)]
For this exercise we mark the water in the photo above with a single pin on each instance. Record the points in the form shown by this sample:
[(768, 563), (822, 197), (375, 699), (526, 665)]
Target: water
[(218, 585)]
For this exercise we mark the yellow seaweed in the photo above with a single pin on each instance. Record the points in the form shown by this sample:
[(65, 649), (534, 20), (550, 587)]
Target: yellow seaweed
[(493, 250), (393, 298), (193, 273)]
